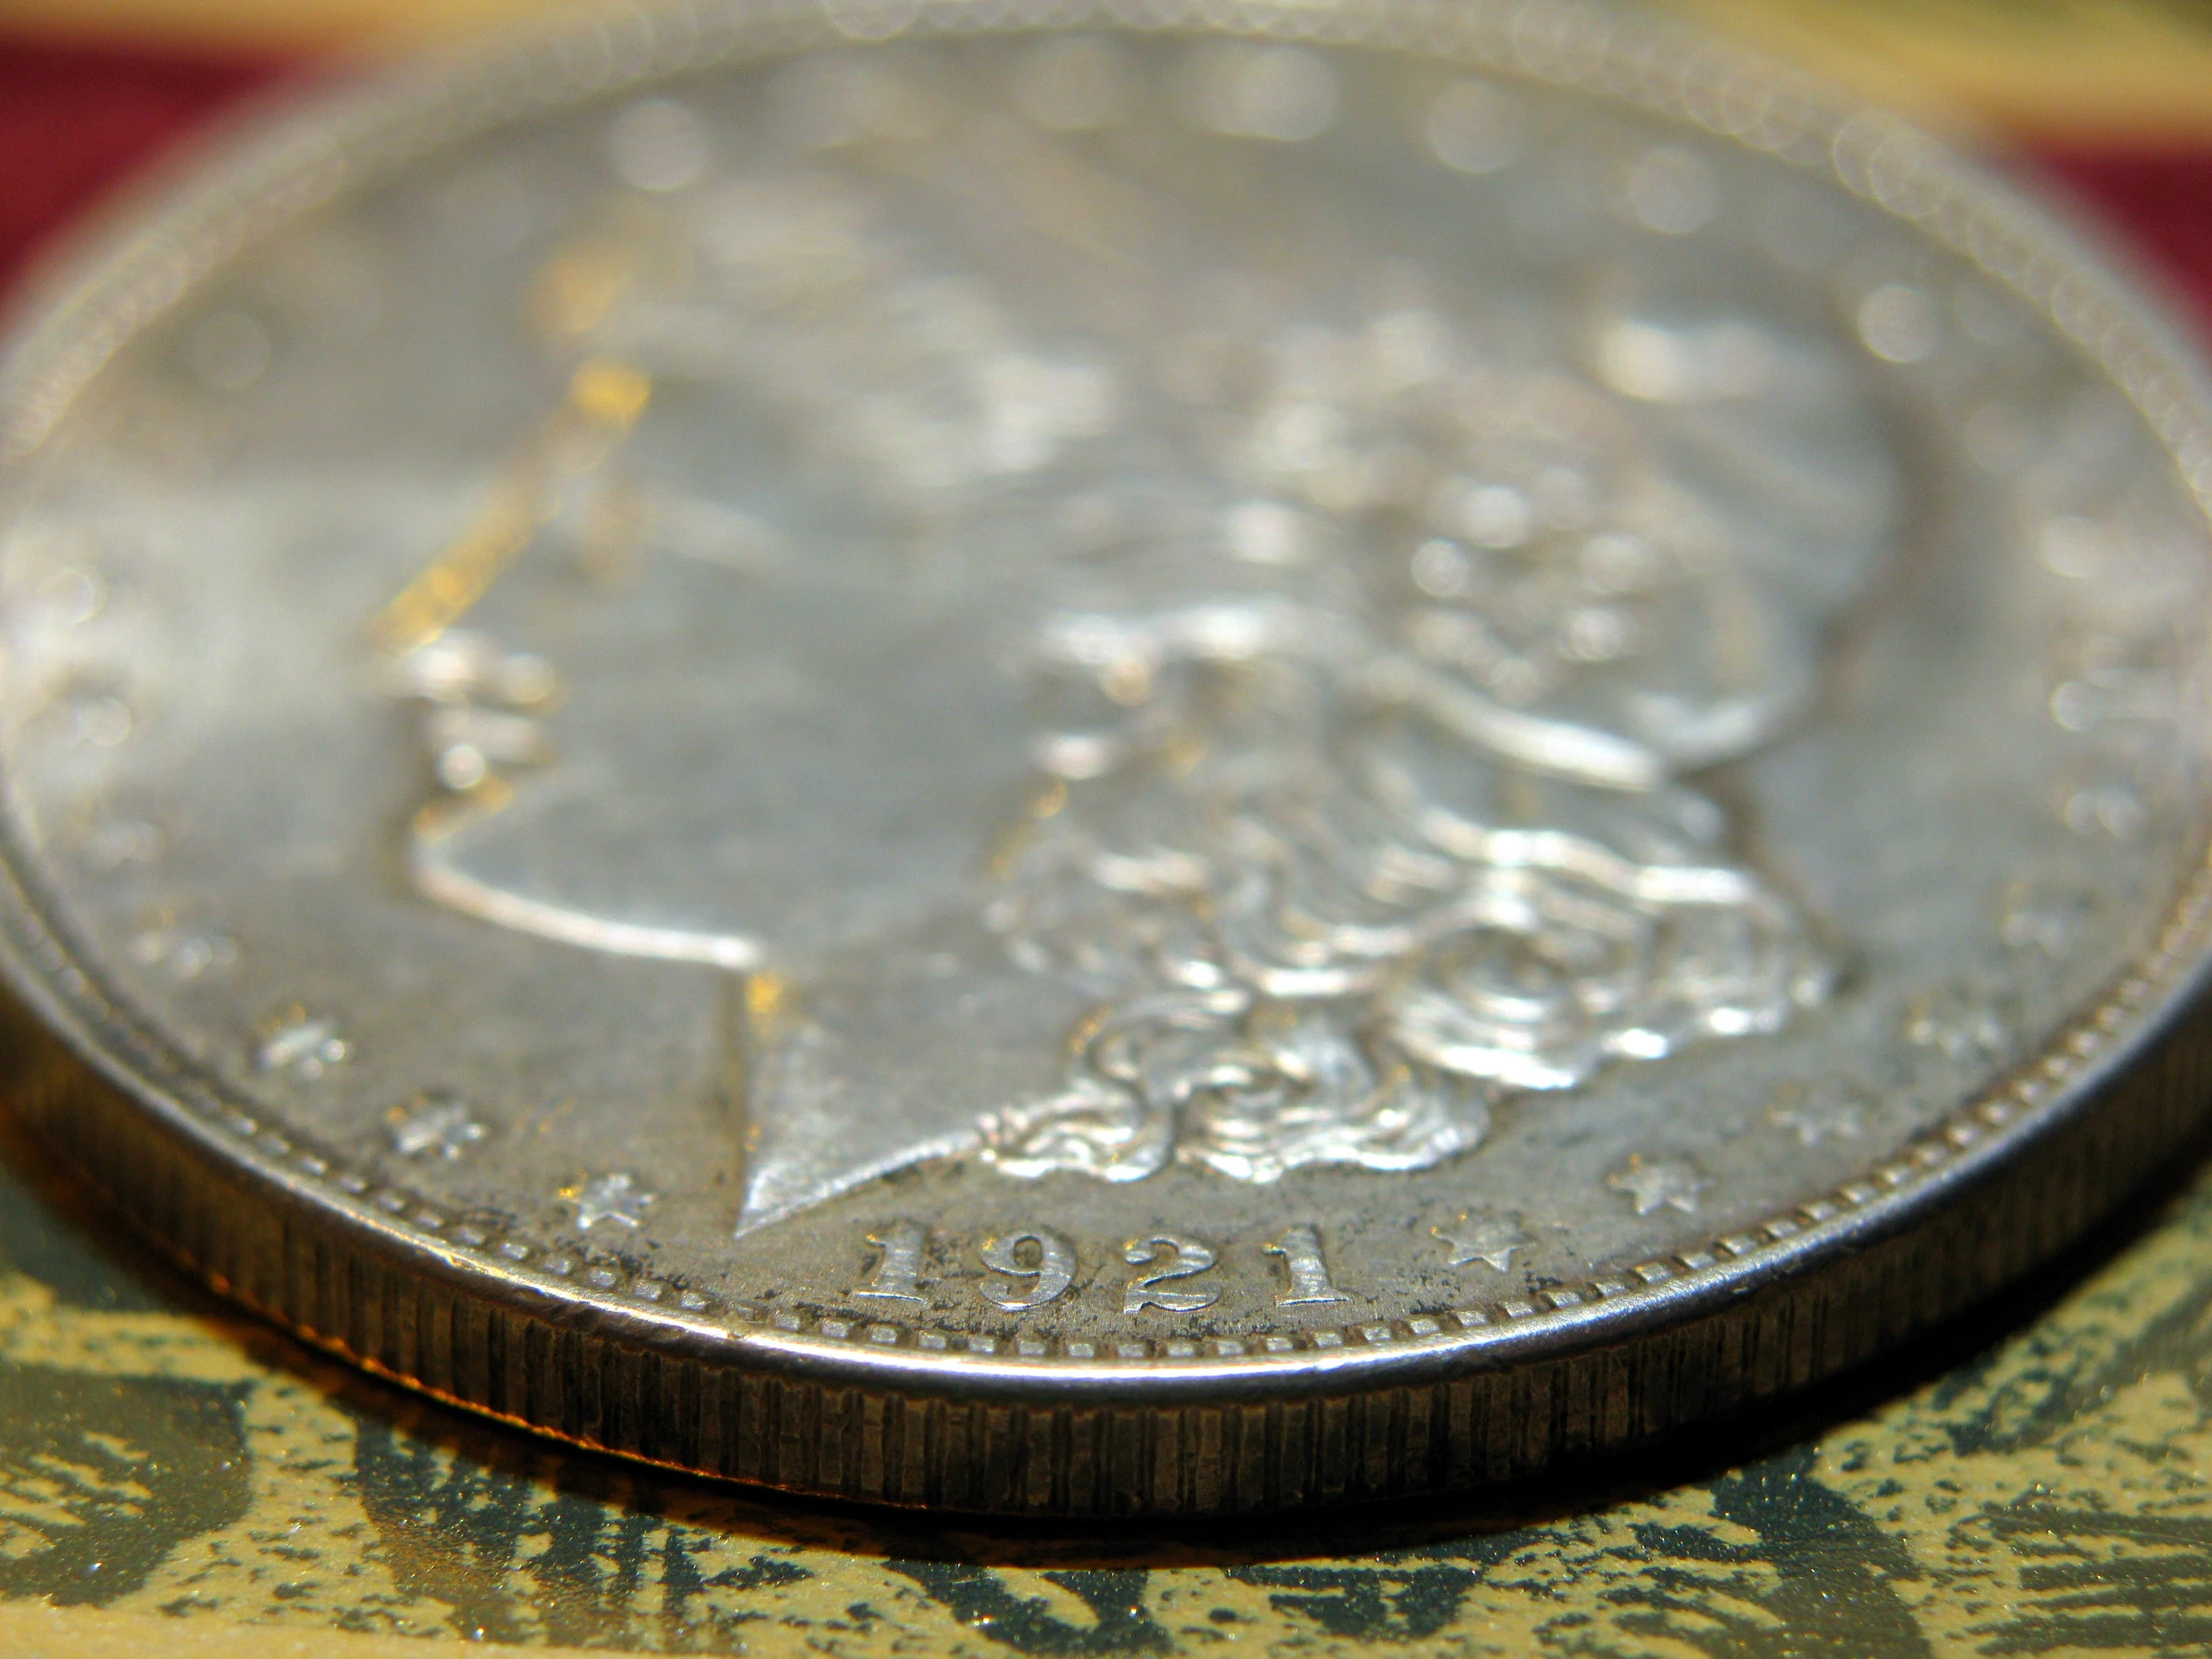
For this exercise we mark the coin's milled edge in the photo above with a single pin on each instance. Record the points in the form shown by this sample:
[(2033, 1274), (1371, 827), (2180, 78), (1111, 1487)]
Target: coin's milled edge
[(1723, 90)]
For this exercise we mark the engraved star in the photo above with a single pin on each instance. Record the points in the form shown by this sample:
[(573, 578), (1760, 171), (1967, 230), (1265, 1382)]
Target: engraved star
[(1951, 1021), (308, 1048), (1815, 1121), (1653, 1183), (2034, 919), (436, 1123), (1486, 1239), (616, 1197)]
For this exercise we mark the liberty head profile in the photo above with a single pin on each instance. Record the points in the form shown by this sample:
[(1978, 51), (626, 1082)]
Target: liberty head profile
[(1264, 736)]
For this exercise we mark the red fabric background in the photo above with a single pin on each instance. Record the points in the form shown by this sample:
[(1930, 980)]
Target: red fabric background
[(2161, 201), (75, 120)]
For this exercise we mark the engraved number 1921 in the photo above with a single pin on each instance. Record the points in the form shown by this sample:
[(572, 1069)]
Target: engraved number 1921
[(1180, 1259), (898, 1274), (1045, 1258), (1300, 1248)]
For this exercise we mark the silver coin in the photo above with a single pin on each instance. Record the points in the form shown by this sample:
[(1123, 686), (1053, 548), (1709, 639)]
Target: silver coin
[(1106, 757)]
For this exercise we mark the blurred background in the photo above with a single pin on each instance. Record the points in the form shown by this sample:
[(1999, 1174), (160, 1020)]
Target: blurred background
[(2112, 99)]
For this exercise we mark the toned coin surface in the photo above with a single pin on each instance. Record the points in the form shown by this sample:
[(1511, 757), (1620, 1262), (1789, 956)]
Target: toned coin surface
[(1105, 757)]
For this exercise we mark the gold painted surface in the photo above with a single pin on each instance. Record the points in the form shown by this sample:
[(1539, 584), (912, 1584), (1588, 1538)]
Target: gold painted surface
[(378, 26), (175, 1479), (2101, 71), (2096, 70)]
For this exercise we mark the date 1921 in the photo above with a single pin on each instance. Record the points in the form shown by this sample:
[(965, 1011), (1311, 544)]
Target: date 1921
[(1033, 1268)]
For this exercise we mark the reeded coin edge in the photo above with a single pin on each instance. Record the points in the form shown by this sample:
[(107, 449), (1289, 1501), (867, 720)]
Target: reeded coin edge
[(821, 1423), (152, 265)]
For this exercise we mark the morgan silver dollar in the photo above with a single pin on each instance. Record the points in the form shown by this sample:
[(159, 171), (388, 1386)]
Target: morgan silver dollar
[(1105, 757)]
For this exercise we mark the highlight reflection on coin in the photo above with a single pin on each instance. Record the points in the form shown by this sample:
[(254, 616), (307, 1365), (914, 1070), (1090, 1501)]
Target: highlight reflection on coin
[(1113, 768)]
